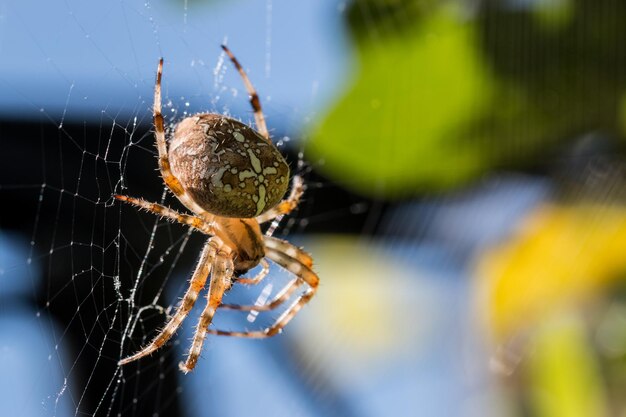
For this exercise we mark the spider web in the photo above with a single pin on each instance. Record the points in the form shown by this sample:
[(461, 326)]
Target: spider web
[(100, 278), (86, 280)]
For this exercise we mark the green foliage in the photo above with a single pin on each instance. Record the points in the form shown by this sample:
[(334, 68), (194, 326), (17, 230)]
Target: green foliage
[(438, 98), (554, 14), (398, 126)]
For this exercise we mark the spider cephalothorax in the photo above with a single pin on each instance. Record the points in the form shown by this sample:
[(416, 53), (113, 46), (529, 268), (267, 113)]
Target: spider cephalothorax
[(232, 178), (227, 167)]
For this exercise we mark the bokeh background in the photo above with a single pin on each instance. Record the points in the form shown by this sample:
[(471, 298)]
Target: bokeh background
[(464, 163)]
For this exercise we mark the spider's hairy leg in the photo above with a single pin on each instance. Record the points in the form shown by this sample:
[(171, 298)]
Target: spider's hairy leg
[(258, 277), (220, 282), (169, 178), (196, 284), (168, 213), (259, 118), (287, 205), (280, 298), (288, 249), (293, 252), (302, 272)]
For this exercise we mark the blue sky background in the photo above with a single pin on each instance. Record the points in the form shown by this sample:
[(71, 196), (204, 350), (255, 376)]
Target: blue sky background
[(75, 59)]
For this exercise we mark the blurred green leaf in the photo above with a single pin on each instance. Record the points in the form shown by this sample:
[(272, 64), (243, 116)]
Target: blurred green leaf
[(561, 66), (554, 14), (397, 128), (440, 97)]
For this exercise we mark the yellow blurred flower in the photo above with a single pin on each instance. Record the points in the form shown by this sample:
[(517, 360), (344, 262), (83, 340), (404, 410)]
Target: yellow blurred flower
[(561, 255)]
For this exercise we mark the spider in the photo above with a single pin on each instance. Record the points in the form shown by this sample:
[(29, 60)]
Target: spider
[(232, 178)]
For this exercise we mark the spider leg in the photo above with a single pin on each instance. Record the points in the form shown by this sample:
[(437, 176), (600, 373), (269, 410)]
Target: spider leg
[(169, 178), (258, 277), (259, 118), (196, 284), (302, 272), (280, 298), (168, 213), (287, 205), (219, 283), (288, 249)]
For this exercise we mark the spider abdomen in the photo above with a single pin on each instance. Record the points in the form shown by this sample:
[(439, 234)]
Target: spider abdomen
[(227, 167)]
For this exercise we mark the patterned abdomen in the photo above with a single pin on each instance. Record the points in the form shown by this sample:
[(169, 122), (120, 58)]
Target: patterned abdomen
[(226, 167)]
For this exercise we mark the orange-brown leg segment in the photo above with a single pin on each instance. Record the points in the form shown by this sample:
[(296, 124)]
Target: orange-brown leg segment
[(302, 272), (258, 277), (288, 249), (259, 118), (168, 213), (279, 299), (220, 282), (164, 163), (196, 284)]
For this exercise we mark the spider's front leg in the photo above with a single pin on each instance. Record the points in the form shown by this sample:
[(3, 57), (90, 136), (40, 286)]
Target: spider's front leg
[(288, 249), (280, 298), (265, 269), (281, 246), (196, 284), (303, 274), (168, 213)]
